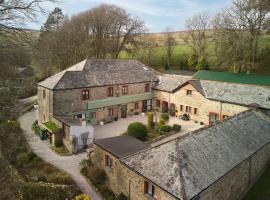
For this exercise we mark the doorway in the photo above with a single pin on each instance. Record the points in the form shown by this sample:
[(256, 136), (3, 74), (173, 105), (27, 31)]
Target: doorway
[(124, 111), (213, 117)]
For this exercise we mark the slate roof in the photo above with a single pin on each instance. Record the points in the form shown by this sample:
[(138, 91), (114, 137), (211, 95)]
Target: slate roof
[(237, 93), (100, 72), (186, 166), (242, 78), (69, 121), (121, 146), (169, 82)]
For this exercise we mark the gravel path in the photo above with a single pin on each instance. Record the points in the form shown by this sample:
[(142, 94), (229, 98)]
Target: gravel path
[(70, 164)]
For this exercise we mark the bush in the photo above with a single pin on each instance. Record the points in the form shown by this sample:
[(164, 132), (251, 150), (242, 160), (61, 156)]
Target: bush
[(60, 178), (31, 155), (150, 119), (121, 196), (137, 130), (165, 117), (106, 192), (22, 159), (165, 129), (162, 122), (82, 197), (176, 127), (97, 176)]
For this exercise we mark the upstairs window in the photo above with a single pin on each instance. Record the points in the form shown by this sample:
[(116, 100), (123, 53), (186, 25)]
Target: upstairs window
[(124, 90), (85, 94), (147, 87), (110, 91), (181, 108), (150, 189), (189, 92), (44, 94), (108, 161), (188, 109), (225, 117), (195, 111)]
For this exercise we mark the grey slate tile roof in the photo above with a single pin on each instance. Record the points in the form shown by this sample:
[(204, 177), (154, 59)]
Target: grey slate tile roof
[(121, 146), (100, 72), (169, 83), (186, 166), (237, 93)]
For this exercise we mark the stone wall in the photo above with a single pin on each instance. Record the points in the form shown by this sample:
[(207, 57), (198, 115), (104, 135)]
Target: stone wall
[(45, 105), (203, 105), (237, 182), (68, 101), (230, 187), (121, 179)]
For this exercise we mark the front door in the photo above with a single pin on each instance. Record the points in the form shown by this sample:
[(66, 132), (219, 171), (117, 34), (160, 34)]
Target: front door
[(124, 111), (213, 117), (144, 105)]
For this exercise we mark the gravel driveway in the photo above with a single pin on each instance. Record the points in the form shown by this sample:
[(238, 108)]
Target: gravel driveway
[(70, 164)]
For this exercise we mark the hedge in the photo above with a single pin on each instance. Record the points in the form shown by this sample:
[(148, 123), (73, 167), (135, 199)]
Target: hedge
[(137, 130)]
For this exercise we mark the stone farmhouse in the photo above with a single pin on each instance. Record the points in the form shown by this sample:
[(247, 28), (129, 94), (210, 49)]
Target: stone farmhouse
[(99, 91), (216, 162)]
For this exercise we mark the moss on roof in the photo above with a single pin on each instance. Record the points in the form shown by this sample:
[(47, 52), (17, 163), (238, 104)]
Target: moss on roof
[(52, 126), (252, 79)]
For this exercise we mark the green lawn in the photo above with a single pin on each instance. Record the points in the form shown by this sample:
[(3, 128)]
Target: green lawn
[(261, 189)]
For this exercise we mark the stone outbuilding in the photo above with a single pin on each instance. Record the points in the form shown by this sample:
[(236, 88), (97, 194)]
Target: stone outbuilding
[(216, 162)]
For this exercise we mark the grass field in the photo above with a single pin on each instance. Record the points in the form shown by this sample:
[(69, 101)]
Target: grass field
[(181, 51), (261, 189)]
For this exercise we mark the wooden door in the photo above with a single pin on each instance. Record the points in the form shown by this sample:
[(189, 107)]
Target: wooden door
[(124, 111)]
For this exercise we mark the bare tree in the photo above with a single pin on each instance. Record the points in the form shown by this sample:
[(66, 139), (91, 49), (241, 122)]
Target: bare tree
[(237, 31), (169, 44), (196, 36)]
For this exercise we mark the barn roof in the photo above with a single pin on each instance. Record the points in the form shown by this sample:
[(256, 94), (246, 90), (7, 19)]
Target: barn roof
[(185, 166)]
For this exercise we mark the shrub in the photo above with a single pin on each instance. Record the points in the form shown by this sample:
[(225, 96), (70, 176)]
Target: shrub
[(150, 119), (137, 130), (31, 155), (97, 176), (165, 129), (22, 159), (85, 171), (176, 127), (165, 117), (106, 192), (121, 196), (82, 197), (60, 178), (161, 122)]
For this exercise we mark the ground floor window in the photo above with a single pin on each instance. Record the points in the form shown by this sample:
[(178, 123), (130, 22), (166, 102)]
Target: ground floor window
[(195, 111), (157, 103), (136, 106), (181, 107), (188, 109), (108, 161), (150, 189), (110, 112)]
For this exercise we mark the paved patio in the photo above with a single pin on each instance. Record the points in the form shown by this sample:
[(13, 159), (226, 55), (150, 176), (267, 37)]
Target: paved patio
[(119, 127)]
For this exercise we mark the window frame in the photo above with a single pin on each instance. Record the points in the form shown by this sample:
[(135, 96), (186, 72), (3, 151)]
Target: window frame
[(110, 112), (136, 105), (44, 94), (147, 87), (110, 91), (157, 103), (181, 108), (124, 90), (195, 111), (150, 189), (108, 161), (189, 92), (85, 94), (188, 109)]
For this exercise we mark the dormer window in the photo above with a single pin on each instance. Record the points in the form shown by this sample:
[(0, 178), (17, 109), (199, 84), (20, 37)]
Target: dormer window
[(124, 90)]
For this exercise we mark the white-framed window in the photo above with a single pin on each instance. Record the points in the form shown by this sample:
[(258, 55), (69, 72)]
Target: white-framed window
[(150, 189), (189, 92)]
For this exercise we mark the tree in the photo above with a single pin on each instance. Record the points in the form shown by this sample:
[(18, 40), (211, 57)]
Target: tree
[(202, 64), (196, 36), (54, 21), (169, 46), (192, 61), (237, 31)]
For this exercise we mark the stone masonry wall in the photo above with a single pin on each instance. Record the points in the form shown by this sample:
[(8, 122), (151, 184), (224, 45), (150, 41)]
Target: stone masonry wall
[(197, 100), (230, 187), (68, 101), (122, 179), (45, 105)]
